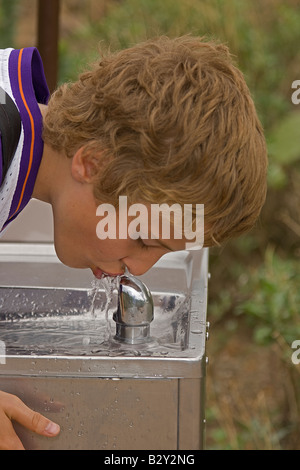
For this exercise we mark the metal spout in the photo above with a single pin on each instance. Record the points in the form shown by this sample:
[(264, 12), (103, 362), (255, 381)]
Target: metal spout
[(135, 311)]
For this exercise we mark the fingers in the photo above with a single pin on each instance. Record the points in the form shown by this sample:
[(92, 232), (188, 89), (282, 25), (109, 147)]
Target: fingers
[(8, 438), (15, 409), (32, 420)]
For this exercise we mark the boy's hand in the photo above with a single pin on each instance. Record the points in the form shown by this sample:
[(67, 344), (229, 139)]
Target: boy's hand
[(12, 408)]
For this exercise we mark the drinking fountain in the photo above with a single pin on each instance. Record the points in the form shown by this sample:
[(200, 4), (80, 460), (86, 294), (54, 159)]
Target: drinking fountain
[(135, 311), (128, 374)]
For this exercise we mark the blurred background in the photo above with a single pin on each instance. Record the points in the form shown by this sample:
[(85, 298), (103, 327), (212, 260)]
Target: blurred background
[(253, 385)]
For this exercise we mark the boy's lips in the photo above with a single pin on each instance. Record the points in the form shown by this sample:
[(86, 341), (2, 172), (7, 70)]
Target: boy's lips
[(98, 273)]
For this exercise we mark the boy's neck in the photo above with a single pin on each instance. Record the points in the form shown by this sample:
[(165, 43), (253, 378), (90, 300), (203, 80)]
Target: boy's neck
[(50, 172)]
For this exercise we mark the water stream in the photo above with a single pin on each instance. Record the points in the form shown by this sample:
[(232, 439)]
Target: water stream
[(111, 286)]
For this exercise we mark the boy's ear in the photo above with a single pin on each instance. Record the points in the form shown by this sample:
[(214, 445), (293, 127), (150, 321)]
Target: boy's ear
[(85, 165)]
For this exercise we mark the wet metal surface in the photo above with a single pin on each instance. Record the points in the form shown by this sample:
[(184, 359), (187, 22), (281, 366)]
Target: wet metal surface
[(61, 355)]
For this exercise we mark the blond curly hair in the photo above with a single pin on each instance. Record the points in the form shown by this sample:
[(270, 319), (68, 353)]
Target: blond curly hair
[(175, 122)]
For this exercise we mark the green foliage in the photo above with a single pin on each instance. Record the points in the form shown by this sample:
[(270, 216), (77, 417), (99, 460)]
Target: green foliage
[(272, 307), (283, 148), (264, 37), (284, 139), (7, 22)]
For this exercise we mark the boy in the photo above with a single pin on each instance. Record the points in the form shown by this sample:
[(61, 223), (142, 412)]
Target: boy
[(166, 121)]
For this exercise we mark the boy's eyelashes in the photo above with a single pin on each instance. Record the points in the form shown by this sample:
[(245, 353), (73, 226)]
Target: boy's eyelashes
[(156, 244)]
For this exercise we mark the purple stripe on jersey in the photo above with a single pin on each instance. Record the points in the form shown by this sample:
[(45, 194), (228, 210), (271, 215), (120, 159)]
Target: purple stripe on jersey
[(35, 91)]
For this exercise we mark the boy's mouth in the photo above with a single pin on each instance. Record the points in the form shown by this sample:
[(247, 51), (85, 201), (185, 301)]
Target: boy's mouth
[(99, 274)]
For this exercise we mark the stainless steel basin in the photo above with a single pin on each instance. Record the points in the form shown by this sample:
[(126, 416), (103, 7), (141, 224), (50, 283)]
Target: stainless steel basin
[(60, 354)]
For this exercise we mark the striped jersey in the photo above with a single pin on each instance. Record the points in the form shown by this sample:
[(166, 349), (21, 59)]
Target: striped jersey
[(22, 78)]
